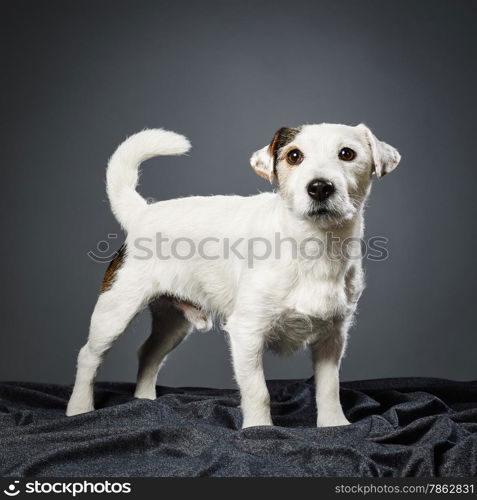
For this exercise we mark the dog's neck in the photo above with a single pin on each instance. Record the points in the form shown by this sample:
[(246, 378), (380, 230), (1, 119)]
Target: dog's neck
[(300, 228)]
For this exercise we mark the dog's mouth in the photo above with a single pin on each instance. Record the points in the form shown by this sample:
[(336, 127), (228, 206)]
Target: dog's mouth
[(326, 217), (322, 212)]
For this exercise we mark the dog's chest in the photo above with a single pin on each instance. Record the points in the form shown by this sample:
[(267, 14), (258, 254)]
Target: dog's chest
[(310, 312), (320, 297), (292, 331)]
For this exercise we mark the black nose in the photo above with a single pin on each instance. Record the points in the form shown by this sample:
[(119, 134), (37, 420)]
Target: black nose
[(320, 189)]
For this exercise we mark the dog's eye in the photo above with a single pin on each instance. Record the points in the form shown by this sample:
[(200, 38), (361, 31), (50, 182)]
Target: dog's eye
[(346, 154), (294, 157)]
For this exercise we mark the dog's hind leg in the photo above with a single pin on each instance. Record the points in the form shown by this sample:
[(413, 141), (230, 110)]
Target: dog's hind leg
[(115, 308), (169, 327)]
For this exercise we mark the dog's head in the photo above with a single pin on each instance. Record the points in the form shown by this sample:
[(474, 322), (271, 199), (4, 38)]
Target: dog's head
[(324, 171)]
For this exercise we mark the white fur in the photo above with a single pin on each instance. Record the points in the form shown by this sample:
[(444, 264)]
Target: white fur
[(122, 172), (283, 303)]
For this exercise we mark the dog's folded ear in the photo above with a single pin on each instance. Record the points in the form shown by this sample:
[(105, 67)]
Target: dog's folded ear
[(263, 161), (385, 157)]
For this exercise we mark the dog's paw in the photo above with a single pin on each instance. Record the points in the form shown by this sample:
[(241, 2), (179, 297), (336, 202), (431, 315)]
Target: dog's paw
[(332, 420), (257, 423), (71, 411), (145, 394)]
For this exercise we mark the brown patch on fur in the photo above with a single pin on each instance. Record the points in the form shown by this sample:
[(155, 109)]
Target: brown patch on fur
[(113, 268), (282, 137)]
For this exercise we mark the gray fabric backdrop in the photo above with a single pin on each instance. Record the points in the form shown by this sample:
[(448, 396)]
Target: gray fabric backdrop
[(79, 76)]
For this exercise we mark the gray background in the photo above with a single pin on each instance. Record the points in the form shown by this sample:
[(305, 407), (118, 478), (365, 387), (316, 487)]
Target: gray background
[(78, 77)]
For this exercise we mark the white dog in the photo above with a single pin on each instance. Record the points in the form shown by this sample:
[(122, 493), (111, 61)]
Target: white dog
[(191, 259)]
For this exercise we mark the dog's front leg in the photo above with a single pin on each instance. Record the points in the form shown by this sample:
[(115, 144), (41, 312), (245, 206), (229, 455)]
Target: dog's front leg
[(247, 357), (327, 356)]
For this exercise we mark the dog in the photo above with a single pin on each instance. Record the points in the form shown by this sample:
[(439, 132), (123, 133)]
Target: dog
[(284, 302)]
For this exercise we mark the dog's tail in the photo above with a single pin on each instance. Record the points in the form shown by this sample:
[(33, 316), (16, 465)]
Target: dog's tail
[(122, 172)]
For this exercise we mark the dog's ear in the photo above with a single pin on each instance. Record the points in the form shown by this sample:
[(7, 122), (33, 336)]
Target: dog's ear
[(385, 157), (263, 161)]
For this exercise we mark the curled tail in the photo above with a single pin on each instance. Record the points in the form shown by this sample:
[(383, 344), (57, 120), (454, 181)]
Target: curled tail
[(122, 173)]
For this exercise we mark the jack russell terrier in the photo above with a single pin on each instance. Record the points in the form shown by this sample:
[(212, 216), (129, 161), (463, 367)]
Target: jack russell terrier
[(285, 301)]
